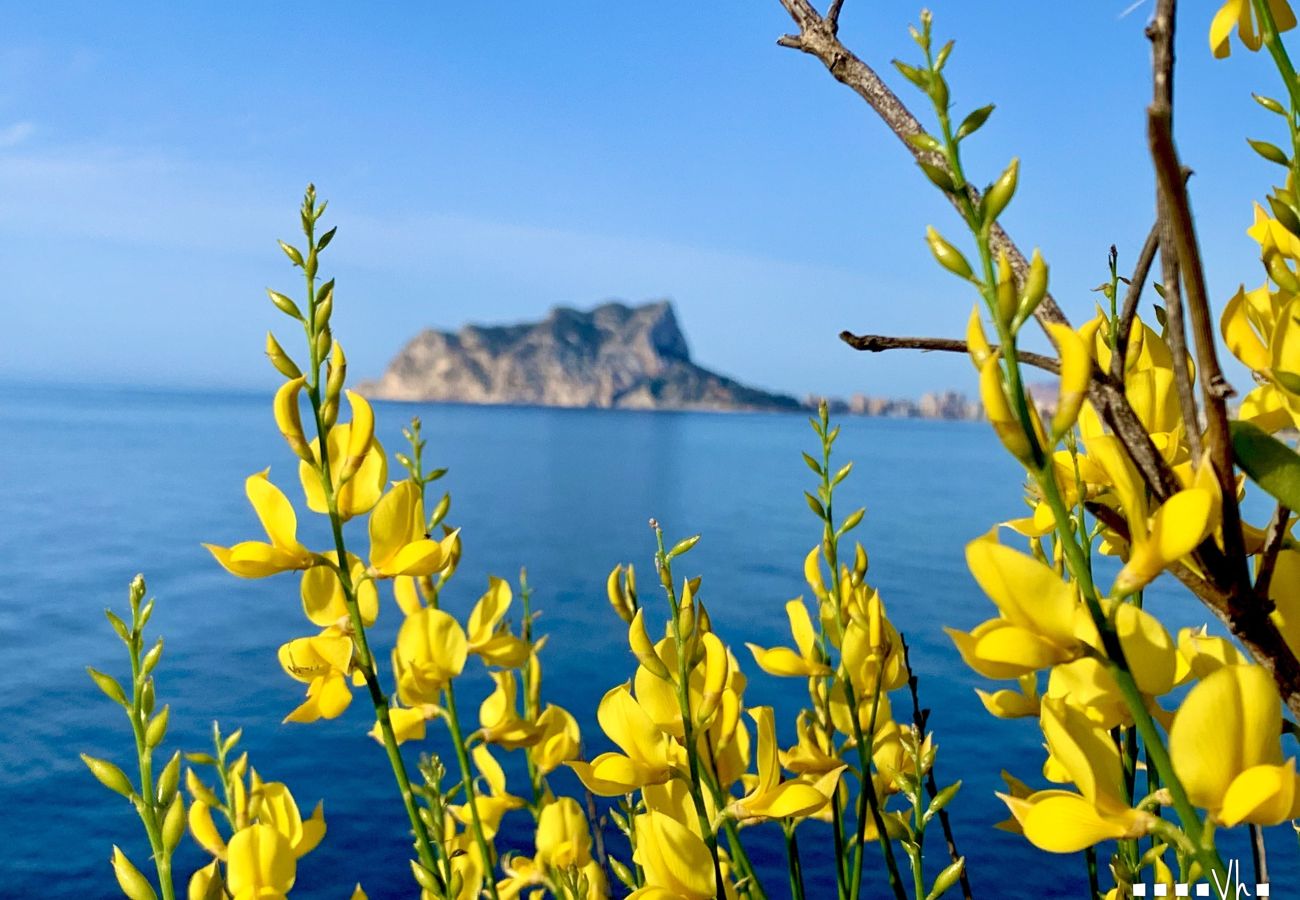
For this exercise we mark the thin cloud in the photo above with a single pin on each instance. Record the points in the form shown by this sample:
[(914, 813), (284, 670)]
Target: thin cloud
[(15, 134)]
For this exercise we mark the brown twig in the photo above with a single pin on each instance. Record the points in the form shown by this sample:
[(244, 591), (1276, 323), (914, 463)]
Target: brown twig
[(1132, 296), (818, 38), (1266, 562), (1233, 598), (1161, 33), (920, 718), (876, 343)]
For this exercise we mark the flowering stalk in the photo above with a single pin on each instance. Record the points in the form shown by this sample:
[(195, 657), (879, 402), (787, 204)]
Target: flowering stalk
[(663, 562), (319, 342), (159, 806)]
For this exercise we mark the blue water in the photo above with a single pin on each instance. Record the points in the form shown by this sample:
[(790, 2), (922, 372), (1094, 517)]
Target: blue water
[(102, 483)]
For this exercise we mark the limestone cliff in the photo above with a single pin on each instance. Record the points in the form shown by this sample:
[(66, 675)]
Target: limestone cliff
[(614, 356)]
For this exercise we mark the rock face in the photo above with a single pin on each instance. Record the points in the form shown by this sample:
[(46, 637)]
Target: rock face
[(614, 356)]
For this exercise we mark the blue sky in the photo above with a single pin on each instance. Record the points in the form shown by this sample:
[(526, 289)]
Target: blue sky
[(487, 161)]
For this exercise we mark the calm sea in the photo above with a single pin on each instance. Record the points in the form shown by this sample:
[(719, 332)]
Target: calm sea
[(102, 483)]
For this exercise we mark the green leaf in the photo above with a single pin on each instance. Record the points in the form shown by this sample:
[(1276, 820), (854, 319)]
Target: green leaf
[(1270, 104), (918, 77), (813, 464), (973, 122), (938, 176), (815, 505), (1268, 462)]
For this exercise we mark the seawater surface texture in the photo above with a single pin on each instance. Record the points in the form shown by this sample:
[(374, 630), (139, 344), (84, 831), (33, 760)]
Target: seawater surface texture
[(103, 483)]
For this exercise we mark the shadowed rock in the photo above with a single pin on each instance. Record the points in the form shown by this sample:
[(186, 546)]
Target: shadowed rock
[(614, 356)]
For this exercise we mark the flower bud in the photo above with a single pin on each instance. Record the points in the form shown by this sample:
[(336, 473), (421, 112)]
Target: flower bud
[(170, 779), (285, 305), (108, 684), (1000, 192), (643, 648), (295, 256), (1006, 290), (200, 791), (157, 730), (324, 343), (947, 255), (1035, 287), (150, 661), (1005, 424), (337, 373), (289, 420), (283, 364), (977, 345), (109, 775), (618, 598), (716, 666), (324, 310), (360, 435), (1076, 370), (173, 826), (129, 879)]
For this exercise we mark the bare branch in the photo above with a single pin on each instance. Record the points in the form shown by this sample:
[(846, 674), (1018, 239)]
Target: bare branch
[(1214, 386), (1161, 33), (818, 39), (876, 343), (833, 14), (1131, 298), (1265, 563)]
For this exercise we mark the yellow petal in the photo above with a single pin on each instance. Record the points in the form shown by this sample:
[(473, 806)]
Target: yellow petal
[(1027, 592), (1067, 823), (205, 830), (782, 661), (674, 857), (394, 523), (1076, 370), (1261, 795), (261, 863), (489, 610), (1227, 724)]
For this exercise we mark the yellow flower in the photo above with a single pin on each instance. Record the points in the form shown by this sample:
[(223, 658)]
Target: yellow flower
[(323, 600), (1065, 822), (258, 559), (499, 715), (496, 645), (1021, 704), (260, 864), (676, 860), (431, 650), (409, 723), (323, 663), (558, 742), (1036, 628), (782, 661), (493, 805), (1238, 14), (359, 493), (399, 544), (772, 798), (562, 836), (279, 810), (1175, 529), (649, 755), (814, 751), (1225, 743)]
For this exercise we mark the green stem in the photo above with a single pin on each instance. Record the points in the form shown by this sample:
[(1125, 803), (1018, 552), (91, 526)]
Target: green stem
[(684, 706), (148, 803), (868, 803), (364, 659), (467, 779), (1115, 662), (792, 859)]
